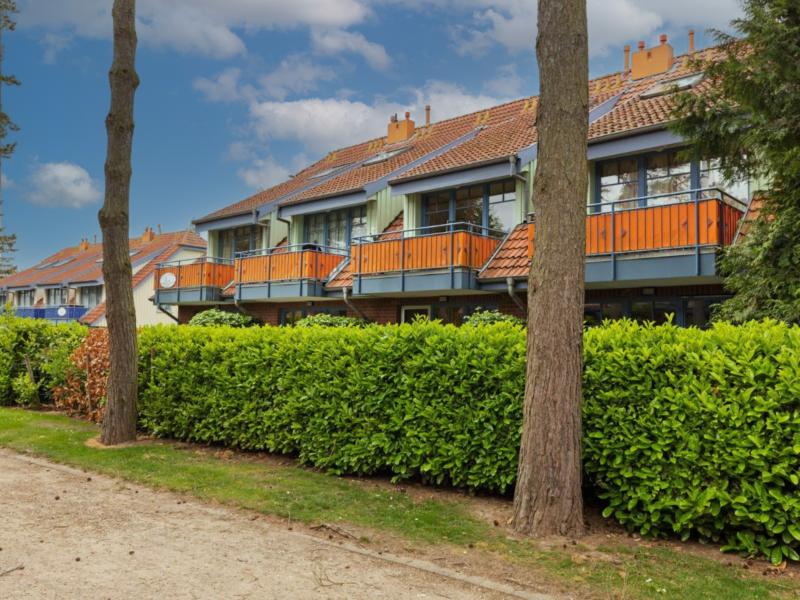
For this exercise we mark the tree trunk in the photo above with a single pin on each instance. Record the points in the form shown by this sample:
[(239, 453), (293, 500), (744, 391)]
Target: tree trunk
[(119, 423), (548, 500)]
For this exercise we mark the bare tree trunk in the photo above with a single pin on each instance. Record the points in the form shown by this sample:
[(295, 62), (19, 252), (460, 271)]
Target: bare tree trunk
[(119, 423), (548, 500)]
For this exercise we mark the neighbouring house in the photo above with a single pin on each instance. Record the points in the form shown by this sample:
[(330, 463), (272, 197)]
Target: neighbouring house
[(68, 286), (439, 219)]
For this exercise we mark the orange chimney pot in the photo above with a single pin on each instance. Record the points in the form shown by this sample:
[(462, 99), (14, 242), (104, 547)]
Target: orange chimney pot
[(652, 61), (400, 131)]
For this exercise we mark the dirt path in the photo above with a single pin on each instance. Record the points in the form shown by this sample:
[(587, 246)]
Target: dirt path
[(76, 535)]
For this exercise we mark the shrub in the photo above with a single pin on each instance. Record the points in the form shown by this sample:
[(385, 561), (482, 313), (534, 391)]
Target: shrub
[(423, 399), (326, 320), (487, 317), (83, 391), (37, 347), (697, 433), (221, 318)]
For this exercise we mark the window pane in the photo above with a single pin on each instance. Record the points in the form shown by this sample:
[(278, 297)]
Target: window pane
[(337, 229), (613, 310), (657, 166), (315, 229), (503, 215), (470, 210), (662, 310), (628, 170), (642, 311), (676, 165), (359, 222)]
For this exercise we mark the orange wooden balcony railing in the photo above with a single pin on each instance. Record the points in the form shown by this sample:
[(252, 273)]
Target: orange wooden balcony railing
[(194, 273), (456, 245), (667, 222), (287, 263)]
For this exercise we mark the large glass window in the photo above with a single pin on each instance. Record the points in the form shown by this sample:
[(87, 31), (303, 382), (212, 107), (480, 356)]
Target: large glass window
[(436, 209), (337, 228), (56, 296), (502, 205), (358, 222), (666, 174), (90, 295), (619, 180), (711, 177), (25, 297), (469, 205), (491, 205), (240, 239)]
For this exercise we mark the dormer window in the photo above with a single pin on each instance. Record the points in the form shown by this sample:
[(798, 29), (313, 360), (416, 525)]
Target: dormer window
[(676, 85)]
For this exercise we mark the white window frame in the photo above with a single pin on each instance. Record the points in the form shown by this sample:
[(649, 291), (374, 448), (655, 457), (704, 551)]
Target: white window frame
[(410, 307)]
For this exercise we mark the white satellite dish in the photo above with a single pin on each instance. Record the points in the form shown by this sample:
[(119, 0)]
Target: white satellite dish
[(168, 280)]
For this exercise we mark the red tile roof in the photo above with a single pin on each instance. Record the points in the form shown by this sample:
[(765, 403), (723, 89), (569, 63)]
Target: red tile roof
[(503, 131), (512, 258), (84, 263)]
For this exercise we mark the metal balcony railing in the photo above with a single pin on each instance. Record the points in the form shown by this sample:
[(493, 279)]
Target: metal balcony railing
[(449, 246), (201, 272), (691, 219), (288, 263)]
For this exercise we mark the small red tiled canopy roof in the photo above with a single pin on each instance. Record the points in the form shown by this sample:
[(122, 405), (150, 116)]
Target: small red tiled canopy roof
[(512, 258)]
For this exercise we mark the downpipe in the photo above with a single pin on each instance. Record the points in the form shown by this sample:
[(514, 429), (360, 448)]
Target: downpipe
[(349, 303), (512, 293)]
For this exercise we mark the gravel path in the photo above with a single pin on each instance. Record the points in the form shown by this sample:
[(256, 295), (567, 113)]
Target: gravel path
[(68, 534)]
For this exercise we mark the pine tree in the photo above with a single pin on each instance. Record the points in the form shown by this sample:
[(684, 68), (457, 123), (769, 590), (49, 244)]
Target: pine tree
[(7, 242), (750, 118)]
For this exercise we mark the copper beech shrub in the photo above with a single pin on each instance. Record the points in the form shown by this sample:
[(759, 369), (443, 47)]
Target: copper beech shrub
[(84, 393)]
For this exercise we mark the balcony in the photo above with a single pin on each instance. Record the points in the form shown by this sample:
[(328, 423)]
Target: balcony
[(63, 313), (197, 280), (285, 272), (443, 258), (658, 237)]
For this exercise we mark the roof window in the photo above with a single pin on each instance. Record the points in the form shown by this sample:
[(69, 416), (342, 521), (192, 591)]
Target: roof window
[(675, 85), (382, 156)]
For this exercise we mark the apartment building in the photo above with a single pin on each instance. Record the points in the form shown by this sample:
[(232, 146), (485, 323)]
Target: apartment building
[(439, 218), (68, 286)]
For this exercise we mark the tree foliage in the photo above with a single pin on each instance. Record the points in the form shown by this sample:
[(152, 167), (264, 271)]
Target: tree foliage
[(750, 118)]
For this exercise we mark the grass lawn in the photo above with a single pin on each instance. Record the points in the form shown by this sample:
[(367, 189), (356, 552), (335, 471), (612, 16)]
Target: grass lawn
[(611, 570)]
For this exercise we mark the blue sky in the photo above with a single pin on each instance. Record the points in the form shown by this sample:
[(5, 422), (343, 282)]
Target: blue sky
[(237, 94)]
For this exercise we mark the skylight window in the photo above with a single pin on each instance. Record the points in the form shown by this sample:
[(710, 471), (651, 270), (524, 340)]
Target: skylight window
[(325, 172), (676, 85), (55, 263), (382, 156)]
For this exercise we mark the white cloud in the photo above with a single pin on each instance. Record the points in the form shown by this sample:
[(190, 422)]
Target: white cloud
[(512, 23), (322, 124), (53, 44), (62, 184), (295, 75), (223, 88), (264, 173), (508, 83), (336, 41), (5, 181), (207, 27)]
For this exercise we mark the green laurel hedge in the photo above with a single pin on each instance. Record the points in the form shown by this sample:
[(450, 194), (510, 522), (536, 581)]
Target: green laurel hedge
[(697, 433), (686, 432), (41, 345)]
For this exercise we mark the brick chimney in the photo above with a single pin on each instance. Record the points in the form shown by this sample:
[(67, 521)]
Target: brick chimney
[(84, 245), (400, 131), (148, 235), (627, 58), (651, 61), (691, 41)]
